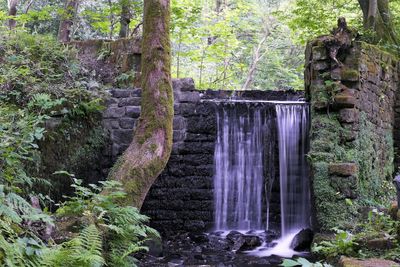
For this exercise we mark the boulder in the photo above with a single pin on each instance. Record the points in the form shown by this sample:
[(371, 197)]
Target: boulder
[(350, 262), (250, 242), (302, 241), (241, 242)]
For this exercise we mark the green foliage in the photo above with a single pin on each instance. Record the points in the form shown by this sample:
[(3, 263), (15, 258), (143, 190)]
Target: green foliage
[(40, 79), (353, 242), (302, 262), (84, 250), (102, 17), (217, 47), (378, 224), (110, 234), (311, 18), (343, 244), (123, 227), (39, 69)]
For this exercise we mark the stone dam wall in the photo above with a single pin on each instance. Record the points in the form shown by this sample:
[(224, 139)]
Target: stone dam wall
[(354, 130), (182, 197)]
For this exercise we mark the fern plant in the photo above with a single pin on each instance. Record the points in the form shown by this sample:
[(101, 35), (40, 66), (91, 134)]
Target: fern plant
[(122, 228), (84, 250)]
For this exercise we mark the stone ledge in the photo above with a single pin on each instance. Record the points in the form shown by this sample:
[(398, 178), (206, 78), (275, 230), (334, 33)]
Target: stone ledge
[(343, 169), (345, 100), (350, 262)]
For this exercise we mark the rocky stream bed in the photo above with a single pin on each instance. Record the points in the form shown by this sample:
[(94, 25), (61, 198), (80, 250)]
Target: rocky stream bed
[(219, 249)]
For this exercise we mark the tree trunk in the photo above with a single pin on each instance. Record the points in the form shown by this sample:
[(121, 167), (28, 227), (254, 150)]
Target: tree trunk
[(151, 147), (125, 19), (377, 18), (253, 66), (218, 6), (67, 20), (12, 12)]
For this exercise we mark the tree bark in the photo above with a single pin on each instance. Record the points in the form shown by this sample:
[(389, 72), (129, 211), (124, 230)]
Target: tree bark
[(67, 20), (125, 18), (151, 147), (12, 12), (377, 18)]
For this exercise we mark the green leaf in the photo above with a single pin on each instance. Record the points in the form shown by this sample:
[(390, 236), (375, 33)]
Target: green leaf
[(289, 263)]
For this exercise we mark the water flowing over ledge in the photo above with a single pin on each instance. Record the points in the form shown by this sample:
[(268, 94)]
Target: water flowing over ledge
[(257, 147)]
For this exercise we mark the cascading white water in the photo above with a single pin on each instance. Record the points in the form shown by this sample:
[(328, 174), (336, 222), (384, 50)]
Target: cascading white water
[(244, 167), (293, 126), (239, 169)]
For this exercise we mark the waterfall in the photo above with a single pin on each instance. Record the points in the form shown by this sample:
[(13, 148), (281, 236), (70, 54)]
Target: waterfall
[(244, 161), (239, 168), (293, 126)]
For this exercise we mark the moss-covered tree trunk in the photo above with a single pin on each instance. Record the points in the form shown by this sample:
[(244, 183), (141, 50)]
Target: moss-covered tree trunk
[(12, 12), (377, 18), (67, 20), (151, 147)]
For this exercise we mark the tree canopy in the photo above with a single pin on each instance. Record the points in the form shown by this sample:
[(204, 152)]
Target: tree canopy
[(229, 44)]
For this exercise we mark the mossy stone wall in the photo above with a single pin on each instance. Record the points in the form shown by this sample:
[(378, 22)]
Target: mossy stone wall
[(353, 128)]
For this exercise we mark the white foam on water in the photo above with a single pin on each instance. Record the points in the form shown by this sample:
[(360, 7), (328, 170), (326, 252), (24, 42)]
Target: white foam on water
[(282, 248)]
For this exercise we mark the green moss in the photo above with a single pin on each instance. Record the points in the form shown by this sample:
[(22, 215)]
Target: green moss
[(74, 146), (332, 210), (371, 186), (373, 176), (88, 152), (349, 74), (376, 49)]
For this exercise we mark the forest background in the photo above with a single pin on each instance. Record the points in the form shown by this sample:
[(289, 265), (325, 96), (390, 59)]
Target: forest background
[(222, 44)]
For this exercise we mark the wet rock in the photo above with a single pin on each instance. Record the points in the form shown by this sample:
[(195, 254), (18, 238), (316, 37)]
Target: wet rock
[(155, 247), (251, 242), (270, 236), (302, 241), (241, 242), (217, 233), (236, 239), (199, 238), (175, 263)]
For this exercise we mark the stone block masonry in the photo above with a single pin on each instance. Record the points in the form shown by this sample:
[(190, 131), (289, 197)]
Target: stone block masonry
[(182, 197), (354, 130)]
